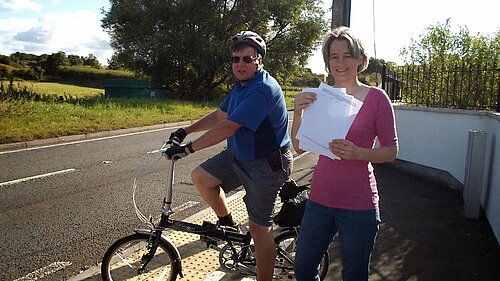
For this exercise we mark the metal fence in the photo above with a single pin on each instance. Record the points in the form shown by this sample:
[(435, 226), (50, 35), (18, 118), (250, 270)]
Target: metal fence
[(463, 86)]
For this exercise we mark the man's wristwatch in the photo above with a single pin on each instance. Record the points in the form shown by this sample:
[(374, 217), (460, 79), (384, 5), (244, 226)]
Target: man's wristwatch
[(189, 145)]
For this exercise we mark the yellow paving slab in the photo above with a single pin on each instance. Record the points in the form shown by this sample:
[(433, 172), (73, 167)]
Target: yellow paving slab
[(198, 261)]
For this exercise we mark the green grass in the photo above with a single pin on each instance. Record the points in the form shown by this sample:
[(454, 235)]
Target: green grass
[(57, 89), (29, 120), (89, 111), (289, 95)]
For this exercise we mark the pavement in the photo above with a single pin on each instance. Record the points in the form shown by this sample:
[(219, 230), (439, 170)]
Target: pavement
[(424, 234)]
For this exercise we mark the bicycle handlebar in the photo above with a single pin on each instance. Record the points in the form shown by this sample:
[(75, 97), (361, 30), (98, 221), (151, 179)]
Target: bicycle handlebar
[(173, 142)]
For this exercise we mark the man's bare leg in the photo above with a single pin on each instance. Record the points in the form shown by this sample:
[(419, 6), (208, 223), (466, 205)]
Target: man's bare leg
[(265, 250), (208, 186)]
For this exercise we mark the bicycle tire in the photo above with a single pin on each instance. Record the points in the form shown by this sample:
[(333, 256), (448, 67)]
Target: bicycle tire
[(122, 260), (287, 242)]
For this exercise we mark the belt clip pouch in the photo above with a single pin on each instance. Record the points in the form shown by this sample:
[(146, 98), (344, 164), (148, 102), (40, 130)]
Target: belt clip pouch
[(274, 160)]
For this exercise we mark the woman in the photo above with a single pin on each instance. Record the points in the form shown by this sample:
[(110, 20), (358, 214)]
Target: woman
[(344, 195)]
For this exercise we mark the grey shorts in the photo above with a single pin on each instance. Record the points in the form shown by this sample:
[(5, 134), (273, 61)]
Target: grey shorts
[(261, 183)]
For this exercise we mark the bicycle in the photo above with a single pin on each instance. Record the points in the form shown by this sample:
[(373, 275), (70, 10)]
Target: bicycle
[(147, 254)]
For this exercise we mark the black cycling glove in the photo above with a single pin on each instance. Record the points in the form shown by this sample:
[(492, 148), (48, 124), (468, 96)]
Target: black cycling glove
[(176, 152), (179, 133)]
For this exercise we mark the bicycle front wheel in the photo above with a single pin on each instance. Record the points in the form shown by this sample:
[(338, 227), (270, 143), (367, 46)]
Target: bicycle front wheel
[(286, 247), (125, 258)]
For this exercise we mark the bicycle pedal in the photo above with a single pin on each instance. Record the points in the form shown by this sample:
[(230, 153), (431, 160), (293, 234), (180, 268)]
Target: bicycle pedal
[(234, 229)]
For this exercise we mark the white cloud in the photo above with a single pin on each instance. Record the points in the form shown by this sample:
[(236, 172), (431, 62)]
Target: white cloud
[(97, 44), (13, 25), (35, 35), (19, 5), (78, 33)]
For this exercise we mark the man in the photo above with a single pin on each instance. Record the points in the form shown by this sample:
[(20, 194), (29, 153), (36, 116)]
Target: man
[(254, 120)]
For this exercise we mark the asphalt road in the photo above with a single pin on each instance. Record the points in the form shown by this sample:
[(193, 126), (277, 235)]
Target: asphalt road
[(62, 206)]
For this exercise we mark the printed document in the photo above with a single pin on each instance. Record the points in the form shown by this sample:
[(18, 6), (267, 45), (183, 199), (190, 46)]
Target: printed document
[(326, 119)]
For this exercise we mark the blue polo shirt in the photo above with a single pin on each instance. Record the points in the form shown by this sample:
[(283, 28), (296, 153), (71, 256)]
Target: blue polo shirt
[(260, 108)]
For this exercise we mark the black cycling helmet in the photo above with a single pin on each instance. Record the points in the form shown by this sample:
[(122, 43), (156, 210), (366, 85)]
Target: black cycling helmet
[(253, 39)]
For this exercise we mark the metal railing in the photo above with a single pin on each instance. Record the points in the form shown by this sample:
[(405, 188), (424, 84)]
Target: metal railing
[(463, 86)]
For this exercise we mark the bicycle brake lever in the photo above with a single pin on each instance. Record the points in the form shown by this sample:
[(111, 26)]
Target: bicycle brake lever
[(175, 141)]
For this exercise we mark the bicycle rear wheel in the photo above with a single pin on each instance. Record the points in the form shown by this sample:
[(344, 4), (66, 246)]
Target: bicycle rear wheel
[(124, 259), (286, 246)]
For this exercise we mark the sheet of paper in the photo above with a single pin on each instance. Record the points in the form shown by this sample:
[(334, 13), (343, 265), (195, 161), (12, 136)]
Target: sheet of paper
[(328, 118)]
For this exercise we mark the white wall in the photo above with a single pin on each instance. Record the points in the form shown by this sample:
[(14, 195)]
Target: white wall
[(437, 138)]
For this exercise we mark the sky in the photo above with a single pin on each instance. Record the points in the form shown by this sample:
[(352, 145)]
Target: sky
[(74, 26)]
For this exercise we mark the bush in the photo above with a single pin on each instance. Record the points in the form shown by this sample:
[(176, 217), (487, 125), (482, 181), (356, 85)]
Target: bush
[(91, 76)]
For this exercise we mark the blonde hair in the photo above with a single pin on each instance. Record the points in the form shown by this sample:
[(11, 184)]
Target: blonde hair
[(344, 33)]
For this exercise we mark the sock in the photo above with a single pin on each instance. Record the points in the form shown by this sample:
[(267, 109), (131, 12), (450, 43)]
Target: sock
[(227, 220)]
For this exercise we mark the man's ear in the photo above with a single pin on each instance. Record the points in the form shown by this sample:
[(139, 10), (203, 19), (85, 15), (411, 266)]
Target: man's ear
[(260, 61)]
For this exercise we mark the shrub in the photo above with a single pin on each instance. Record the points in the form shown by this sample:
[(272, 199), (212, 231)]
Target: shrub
[(91, 76)]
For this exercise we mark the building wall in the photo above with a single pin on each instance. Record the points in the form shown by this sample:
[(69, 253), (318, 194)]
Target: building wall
[(437, 138)]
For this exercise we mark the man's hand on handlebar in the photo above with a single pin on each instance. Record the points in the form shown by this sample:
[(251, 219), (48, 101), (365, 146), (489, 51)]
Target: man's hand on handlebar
[(180, 134), (176, 152)]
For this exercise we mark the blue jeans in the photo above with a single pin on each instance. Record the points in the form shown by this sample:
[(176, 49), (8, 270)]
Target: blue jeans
[(357, 232)]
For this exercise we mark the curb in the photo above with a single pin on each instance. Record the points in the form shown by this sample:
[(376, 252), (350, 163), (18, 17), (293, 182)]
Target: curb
[(88, 136)]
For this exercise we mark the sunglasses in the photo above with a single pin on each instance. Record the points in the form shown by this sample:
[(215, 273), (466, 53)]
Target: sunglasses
[(246, 59)]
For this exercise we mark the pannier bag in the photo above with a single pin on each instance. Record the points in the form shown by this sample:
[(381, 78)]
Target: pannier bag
[(294, 199)]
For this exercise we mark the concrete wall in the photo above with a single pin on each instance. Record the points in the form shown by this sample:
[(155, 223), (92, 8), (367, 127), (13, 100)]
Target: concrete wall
[(437, 138)]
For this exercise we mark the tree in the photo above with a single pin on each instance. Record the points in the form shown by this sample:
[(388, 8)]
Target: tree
[(75, 60), (91, 61), (53, 61), (439, 44), (114, 63), (455, 69), (306, 78), (5, 60), (183, 44)]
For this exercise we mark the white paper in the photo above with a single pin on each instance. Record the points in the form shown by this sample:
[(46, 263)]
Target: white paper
[(328, 118)]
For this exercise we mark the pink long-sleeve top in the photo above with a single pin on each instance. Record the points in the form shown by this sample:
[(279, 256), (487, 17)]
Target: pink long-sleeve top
[(351, 184)]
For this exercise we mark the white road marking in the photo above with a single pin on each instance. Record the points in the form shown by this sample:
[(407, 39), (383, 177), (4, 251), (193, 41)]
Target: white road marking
[(36, 177), (45, 271), (87, 140), (96, 139), (186, 205), (215, 276)]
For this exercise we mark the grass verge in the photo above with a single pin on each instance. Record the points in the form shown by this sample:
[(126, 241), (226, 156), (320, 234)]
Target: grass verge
[(30, 120), (86, 110)]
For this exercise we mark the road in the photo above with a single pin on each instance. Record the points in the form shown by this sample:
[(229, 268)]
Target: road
[(62, 206)]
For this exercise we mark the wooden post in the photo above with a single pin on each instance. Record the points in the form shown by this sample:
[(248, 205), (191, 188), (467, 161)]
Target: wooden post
[(341, 13)]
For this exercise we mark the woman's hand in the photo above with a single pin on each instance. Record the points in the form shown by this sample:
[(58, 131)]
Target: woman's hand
[(349, 151), (303, 100), (344, 149)]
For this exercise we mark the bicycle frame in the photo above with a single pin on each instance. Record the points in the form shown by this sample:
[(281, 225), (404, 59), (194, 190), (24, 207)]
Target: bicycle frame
[(236, 255), (206, 230)]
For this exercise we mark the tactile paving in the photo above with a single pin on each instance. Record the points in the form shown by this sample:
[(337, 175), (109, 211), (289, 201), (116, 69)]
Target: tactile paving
[(200, 264), (198, 261)]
